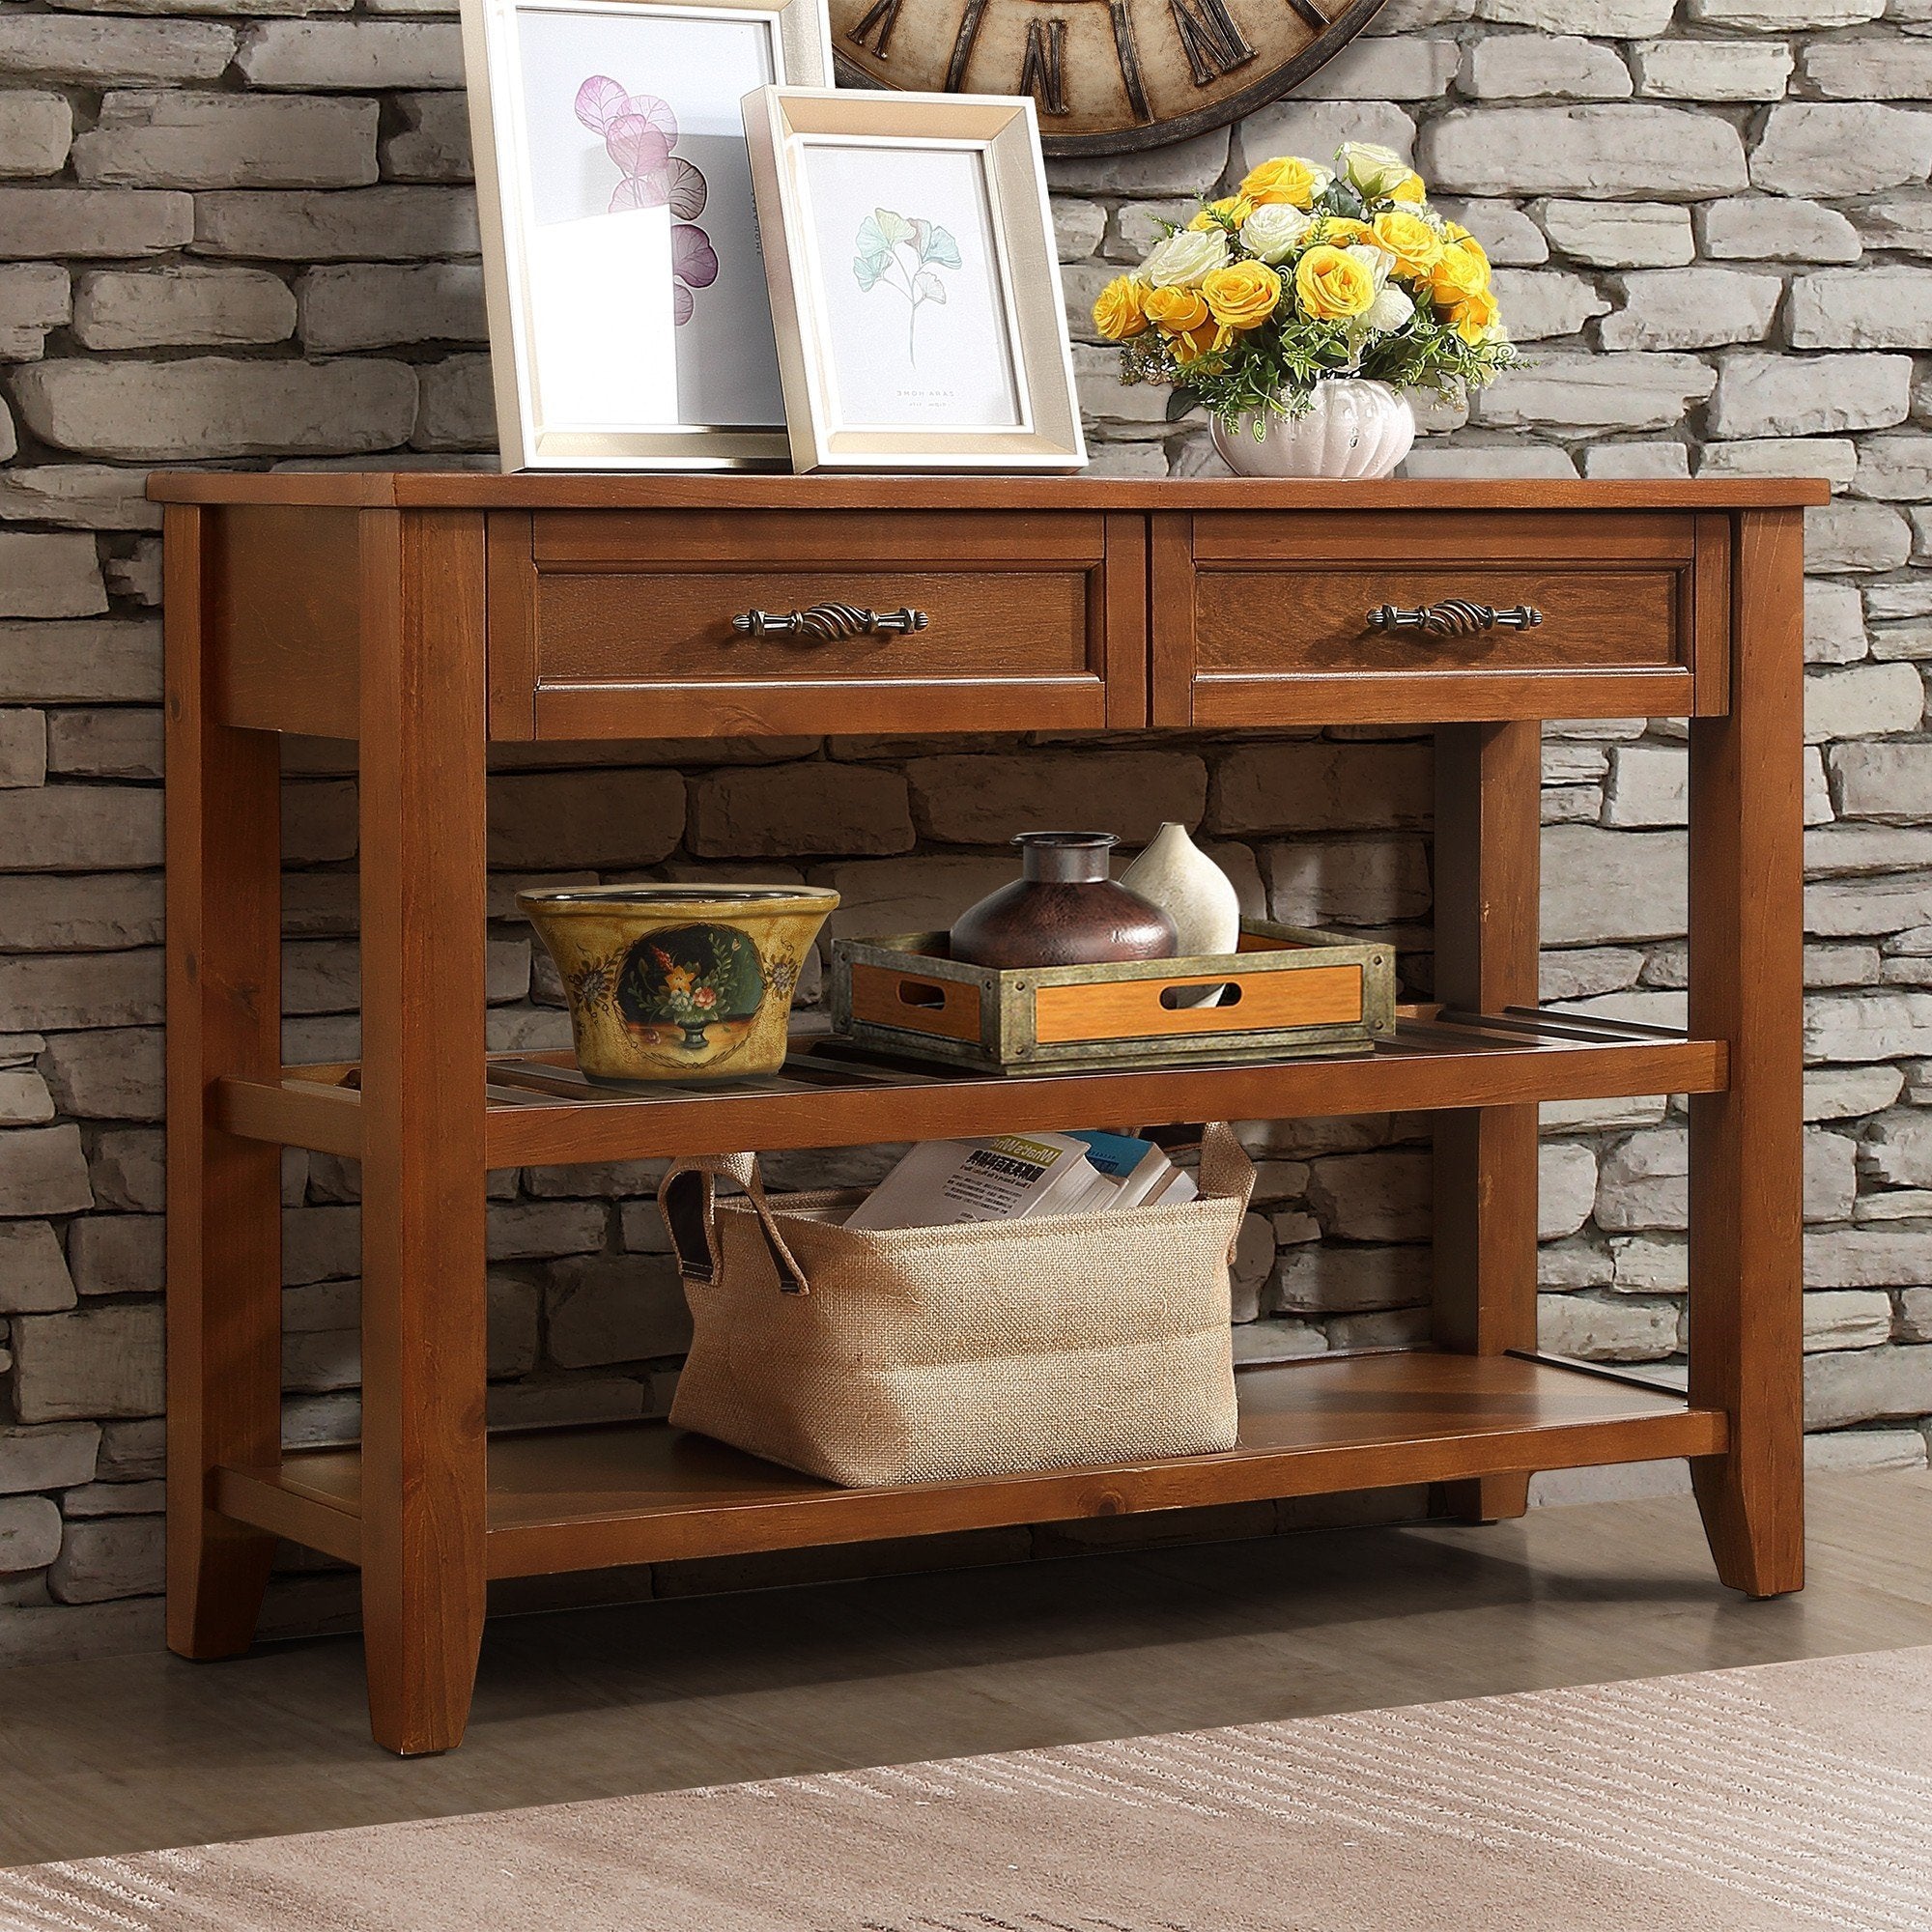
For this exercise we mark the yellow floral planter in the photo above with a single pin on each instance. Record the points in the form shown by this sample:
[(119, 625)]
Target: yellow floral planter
[(680, 981)]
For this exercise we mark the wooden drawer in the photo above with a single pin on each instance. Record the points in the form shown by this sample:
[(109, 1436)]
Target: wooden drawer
[(1257, 622), (621, 625)]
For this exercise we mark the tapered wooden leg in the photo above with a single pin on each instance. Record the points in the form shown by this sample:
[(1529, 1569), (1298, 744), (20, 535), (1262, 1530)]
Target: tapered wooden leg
[(422, 807), (1747, 1150), (1488, 791), (224, 1194)]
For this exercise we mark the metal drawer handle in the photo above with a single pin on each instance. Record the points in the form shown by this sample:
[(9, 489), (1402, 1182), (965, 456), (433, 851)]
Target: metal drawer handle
[(1454, 618), (828, 623)]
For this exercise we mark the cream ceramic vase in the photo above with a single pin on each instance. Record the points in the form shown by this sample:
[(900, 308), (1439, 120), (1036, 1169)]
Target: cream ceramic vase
[(1194, 892), (1353, 430)]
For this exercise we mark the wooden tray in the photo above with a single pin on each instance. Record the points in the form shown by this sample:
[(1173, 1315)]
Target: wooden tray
[(1287, 990)]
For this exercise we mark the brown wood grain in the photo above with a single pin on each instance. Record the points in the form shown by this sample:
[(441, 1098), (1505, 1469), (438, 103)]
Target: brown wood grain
[(225, 1231), (582, 1499), (1746, 987), (1097, 608), (1131, 1009), (1421, 1070), (282, 615), (1119, 623), (469, 489), (1248, 698), (1489, 796), (1171, 609), (948, 1007), (1307, 619), (1710, 589), (423, 1346)]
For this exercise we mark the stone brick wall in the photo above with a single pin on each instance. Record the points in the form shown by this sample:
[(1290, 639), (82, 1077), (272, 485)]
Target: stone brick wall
[(241, 231)]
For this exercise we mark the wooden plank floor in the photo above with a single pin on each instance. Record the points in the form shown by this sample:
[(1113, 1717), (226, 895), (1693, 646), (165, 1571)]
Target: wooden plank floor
[(140, 1751)]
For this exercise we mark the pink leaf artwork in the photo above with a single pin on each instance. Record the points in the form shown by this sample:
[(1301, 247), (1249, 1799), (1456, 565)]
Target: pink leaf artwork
[(693, 259), (640, 131)]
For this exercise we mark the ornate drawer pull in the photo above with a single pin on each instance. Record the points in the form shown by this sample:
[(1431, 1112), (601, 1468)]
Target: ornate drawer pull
[(1454, 618), (828, 623)]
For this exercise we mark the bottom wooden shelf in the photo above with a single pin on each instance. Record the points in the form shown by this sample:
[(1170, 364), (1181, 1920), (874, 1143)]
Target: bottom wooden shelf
[(645, 1492)]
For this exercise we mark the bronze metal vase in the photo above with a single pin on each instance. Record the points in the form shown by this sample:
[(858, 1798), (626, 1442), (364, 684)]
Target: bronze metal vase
[(1063, 910)]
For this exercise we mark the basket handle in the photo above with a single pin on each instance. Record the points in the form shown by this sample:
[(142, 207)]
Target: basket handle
[(1226, 1170), (688, 1199)]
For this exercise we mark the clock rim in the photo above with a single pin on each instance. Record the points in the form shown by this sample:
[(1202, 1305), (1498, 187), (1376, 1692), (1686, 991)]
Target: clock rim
[(1272, 86)]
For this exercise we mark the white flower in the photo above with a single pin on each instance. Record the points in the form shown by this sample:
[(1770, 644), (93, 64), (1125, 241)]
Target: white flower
[(1390, 311), (1377, 260), (1371, 169), (1272, 234), (1185, 257)]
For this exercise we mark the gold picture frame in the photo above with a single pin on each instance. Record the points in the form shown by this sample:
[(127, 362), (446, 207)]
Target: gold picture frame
[(902, 224), (627, 303)]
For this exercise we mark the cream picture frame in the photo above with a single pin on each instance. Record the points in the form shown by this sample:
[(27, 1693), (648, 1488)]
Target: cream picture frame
[(630, 323), (914, 281)]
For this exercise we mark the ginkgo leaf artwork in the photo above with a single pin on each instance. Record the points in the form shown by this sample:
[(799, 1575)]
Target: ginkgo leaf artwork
[(640, 131), (903, 254)]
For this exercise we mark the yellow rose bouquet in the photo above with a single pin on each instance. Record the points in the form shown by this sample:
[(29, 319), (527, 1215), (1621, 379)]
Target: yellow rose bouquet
[(1307, 272)]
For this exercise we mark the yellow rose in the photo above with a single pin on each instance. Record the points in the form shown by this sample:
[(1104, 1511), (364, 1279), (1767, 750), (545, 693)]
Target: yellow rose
[(1192, 344), (1411, 190), (1286, 178), (1332, 285), (1461, 239), (1237, 208), (1175, 308), (1243, 296), (1414, 245), (1475, 316), (1456, 276), (1338, 229), (1119, 309)]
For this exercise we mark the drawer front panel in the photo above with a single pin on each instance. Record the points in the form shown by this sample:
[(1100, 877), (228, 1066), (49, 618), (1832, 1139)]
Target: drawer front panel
[(1286, 619), (673, 627), (1319, 619), (623, 625)]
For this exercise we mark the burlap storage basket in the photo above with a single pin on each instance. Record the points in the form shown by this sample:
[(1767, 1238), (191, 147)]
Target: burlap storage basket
[(928, 1354)]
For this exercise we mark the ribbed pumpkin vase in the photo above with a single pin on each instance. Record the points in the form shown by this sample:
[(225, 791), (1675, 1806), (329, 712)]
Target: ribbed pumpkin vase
[(1353, 430)]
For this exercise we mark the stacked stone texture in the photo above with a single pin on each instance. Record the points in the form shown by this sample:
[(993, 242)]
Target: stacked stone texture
[(234, 232)]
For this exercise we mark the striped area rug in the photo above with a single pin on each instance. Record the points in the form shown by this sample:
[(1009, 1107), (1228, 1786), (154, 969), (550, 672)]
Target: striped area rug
[(1748, 1801)]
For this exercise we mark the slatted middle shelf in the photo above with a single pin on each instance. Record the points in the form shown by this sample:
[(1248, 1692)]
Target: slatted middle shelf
[(542, 1112)]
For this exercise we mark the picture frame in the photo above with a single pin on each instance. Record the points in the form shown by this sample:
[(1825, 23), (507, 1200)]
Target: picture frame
[(905, 226), (630, 324)]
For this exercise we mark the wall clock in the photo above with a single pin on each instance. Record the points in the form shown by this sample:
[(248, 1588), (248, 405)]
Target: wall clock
[(1107, 74)]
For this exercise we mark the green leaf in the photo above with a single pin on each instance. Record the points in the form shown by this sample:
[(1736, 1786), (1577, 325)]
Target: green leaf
[(895, 228), (866, 269), (1180, 403), (940, 246)]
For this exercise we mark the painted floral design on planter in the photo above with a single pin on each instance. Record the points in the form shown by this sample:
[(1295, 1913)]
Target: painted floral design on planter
[(639, 133), (905, 254), (677, 985)]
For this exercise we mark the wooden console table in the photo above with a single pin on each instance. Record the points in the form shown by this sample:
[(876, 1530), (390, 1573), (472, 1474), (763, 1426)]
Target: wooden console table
[(425, 617)]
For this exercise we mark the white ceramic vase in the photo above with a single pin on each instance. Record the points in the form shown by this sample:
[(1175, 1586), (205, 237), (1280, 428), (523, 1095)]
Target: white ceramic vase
[(1353, 430), (1194, 892)]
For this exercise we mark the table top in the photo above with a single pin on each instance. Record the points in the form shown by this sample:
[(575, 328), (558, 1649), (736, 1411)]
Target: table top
[(550, 490)]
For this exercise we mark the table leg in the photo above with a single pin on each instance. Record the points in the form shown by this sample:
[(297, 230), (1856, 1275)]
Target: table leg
[(1489, 793), (1747, 1144), (224, 1256), (422, 810)]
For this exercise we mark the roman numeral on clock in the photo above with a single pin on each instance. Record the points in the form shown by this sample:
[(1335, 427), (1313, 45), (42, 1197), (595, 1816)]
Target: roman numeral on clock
[(1310, 12), (1129, 58), (1042, 67), (881, 21), (1209, 38), (962, 44)]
